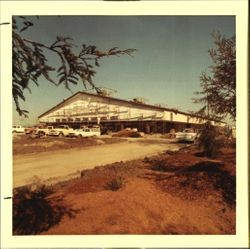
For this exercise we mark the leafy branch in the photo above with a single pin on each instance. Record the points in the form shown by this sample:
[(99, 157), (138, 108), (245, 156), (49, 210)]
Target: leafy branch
[(218, 94), (30, 61)]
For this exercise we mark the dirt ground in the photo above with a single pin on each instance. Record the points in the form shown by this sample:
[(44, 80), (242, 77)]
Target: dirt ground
[(66, 160), (25, 144), (171, 193)]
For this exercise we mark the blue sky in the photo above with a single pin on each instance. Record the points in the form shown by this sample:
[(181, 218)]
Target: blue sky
[(172, 52)]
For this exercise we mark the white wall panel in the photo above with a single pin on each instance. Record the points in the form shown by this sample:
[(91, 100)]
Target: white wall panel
[(85, 106)]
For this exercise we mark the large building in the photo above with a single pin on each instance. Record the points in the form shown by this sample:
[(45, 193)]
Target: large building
[(114, 114)]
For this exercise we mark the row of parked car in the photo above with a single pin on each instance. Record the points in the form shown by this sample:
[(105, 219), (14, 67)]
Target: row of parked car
[(60, 131), (187, 135)]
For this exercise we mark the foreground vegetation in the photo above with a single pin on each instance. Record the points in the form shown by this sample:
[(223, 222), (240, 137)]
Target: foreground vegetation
[(181, 192)]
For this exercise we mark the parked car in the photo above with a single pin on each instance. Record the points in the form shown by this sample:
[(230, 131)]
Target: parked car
[(187, 135), (61, 130), (29, 130), (86, 132), (43, 130), (18, 129)]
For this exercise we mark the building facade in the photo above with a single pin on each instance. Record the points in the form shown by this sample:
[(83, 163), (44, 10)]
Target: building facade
[(115, 114)]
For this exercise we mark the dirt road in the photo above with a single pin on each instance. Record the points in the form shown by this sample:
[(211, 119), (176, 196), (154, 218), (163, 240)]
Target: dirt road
[(60, 165)]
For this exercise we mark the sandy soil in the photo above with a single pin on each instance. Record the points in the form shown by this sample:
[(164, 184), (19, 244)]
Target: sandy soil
[(170, 193), (65, 158)]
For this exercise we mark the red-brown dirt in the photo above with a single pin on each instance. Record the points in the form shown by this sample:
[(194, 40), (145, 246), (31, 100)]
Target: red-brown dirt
[(172, 193)]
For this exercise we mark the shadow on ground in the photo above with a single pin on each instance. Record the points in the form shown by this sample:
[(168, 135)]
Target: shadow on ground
[(194, 181)]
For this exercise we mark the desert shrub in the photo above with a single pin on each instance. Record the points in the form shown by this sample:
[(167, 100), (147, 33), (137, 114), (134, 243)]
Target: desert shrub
[(34, 211), (208, 141), (158, 165), (115, 184)]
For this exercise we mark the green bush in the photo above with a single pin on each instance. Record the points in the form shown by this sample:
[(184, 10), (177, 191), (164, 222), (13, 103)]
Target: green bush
[(208, 140)]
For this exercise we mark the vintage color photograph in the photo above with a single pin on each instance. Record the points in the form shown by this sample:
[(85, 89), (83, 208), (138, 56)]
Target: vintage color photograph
[(124, 125)]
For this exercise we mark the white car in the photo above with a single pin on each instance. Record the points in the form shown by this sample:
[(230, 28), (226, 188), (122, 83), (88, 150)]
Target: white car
[(61, 130), (18, 129), (187, 135), (86, 132), (43, 130)]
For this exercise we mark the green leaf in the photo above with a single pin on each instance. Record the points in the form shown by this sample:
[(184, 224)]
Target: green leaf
[(62, 79), (72, 81)]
